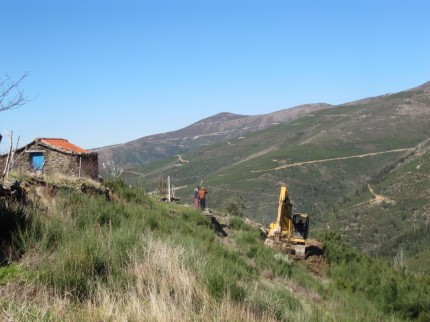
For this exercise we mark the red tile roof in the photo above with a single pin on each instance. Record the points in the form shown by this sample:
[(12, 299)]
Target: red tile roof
[(64, 145)]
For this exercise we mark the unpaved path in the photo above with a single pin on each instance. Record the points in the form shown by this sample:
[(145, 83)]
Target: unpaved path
[(182, 160), (378, 199), (333, 159)]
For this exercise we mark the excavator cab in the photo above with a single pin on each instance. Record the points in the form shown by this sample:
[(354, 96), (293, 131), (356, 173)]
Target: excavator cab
[(300, 227)]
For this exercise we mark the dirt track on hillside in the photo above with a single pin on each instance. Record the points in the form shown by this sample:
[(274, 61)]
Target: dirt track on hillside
[(332, 159), (379, 199)]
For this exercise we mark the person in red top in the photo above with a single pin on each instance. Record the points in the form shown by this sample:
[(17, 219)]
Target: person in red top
[(202, 198)]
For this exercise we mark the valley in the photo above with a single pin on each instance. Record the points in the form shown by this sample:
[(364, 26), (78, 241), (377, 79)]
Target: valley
[(326, 158)]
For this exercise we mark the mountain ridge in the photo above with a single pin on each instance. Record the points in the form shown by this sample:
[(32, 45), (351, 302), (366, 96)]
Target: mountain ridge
[(217, 128), (210, 130)]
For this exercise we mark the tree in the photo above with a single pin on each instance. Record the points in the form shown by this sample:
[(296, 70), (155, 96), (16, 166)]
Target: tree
[(11, 95), (112, 169)]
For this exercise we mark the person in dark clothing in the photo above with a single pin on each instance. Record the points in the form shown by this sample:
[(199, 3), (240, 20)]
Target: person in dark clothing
[(202, 198)]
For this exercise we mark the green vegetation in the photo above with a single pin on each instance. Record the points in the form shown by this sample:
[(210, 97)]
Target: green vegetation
[(88, 250), (379, 202), (238, 224), (388, 217), (406, 94), (83, 257), (9, 273), (235, 207), (394, 291), (244, 167)]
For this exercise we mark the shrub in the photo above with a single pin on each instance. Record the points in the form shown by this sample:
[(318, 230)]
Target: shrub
[(236, 207), (237, 223), (395, 291)]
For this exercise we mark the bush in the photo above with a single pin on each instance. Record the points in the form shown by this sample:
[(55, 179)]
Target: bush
[(238, 224), (395, 291), (236, 207)]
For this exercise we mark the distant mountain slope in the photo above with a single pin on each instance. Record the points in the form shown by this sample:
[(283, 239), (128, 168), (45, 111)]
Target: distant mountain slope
[(208, 131), (323, 157)]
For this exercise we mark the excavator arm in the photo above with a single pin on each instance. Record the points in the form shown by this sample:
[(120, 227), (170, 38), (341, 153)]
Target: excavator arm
[(282, 227), (289, 229)]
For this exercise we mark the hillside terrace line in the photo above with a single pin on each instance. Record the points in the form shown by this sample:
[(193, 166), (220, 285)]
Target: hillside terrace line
[(296, 164)]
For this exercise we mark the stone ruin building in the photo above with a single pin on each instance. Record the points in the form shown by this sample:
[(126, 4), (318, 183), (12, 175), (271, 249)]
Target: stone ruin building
[(51, 156)]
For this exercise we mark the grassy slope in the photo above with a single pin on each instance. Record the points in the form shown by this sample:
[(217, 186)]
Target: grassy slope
[(82, 258)]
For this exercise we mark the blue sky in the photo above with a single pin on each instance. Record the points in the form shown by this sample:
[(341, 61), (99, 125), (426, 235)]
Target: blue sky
[(108, 72)]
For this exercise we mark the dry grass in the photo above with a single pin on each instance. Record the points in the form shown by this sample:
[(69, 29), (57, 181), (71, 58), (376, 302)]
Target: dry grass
[(130, 265), (163, 289)]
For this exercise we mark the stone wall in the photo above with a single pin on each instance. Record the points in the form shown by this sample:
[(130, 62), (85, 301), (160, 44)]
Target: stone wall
[(85, 165)]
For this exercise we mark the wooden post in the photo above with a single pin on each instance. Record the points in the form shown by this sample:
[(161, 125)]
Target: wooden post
[(80, 165), (9, 157), (168, 189)]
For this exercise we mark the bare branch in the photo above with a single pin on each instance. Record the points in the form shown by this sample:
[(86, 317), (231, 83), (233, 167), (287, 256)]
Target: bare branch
[(11, 96), (112, 169)]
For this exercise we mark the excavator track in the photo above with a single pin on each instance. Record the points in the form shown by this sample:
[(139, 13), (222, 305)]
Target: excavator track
[(298, 251)]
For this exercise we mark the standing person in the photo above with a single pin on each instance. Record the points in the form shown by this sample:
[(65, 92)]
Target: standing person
[(202, 198), (196, 196)]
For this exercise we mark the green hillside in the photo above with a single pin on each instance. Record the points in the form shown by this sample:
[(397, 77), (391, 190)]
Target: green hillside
[(89, 256), (389, 217), (324, 158), (254, 166)]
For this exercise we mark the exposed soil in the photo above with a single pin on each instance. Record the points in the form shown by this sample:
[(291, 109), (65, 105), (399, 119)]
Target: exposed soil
[(314, 258), (379, 199)]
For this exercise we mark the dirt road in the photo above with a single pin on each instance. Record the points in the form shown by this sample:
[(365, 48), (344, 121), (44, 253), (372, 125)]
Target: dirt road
[(333, 159)]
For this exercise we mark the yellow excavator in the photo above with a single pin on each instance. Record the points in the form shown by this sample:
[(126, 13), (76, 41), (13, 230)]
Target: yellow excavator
[(289, 231)]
